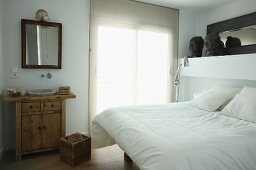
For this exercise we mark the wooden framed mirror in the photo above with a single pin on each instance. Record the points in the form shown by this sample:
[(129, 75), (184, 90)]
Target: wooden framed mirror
[(243, 28), (41, 44)]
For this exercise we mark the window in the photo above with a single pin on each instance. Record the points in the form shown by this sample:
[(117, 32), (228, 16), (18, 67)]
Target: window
[(115, 76), (132, 67), (133, 49)]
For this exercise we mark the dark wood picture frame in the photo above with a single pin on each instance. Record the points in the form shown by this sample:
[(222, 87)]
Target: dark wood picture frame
[(232, 24), (24, 22)]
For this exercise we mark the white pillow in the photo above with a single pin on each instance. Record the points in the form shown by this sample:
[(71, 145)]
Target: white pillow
[(209, 101), (195, 95), (243, 106), (230, 92)]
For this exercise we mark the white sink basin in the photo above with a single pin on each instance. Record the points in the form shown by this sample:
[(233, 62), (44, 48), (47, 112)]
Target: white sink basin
[(41, 92)]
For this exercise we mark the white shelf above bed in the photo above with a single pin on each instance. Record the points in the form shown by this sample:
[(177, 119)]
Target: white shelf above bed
[(227, 67)]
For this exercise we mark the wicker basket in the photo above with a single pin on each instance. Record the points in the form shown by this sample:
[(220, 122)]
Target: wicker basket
[(75, 149)]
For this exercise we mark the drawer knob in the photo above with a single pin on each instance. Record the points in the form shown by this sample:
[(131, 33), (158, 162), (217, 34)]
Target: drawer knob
[(52, 105), (31, 107)]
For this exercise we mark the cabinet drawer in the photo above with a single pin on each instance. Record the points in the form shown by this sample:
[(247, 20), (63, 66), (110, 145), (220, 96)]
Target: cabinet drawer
[(31, 107), (49, 106)]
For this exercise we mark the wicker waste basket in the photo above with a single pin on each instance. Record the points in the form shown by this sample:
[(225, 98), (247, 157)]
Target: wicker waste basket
[(75, 149)]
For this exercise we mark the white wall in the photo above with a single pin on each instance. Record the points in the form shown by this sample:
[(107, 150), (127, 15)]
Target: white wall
[(187, 30), (1, 49), (199, 84), (228, 11), (74, 15), (1, 85)]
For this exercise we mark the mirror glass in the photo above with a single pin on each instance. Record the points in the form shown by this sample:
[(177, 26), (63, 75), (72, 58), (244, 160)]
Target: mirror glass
[(41, 44), (247, 35)]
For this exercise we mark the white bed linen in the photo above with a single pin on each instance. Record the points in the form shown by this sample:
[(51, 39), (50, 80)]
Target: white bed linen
[(178, 137)]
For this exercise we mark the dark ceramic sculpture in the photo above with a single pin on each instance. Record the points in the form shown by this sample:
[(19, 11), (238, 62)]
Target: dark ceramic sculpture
[(213, 45), (233, 42), (196, 45)]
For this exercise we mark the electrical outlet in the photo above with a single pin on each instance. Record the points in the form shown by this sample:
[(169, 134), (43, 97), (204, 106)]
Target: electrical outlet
[(14, 75)]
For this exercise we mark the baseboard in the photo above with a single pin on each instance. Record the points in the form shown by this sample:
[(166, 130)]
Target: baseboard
[(2, 150)]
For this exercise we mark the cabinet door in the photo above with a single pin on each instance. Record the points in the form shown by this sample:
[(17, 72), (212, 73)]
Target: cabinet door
[(51, 130), (31, 133)]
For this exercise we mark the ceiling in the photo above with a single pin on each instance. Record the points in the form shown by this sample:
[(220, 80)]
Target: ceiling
[(193, 5)]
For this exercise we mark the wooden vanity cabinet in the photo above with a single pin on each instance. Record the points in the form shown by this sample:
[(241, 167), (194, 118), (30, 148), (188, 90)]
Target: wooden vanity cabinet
[(40, 122), (40, 132)]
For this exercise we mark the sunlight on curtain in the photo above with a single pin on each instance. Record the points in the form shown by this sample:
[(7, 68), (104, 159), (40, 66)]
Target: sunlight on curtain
[(133, 50), (152, 68), (115, 67), (132, 67)]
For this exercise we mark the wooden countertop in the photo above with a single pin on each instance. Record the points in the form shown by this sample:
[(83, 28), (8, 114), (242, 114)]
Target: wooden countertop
[(9, 98)]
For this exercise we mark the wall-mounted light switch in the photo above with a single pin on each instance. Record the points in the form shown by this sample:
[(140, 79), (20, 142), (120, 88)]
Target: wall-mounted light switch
[(14, 72)]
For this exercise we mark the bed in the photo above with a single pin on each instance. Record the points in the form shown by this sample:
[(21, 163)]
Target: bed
[(177, 136)]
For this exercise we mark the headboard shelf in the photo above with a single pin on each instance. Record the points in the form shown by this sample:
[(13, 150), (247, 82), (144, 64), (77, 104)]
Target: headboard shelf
[(241, 67)]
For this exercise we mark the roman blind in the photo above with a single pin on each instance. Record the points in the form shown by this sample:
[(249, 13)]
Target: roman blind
[(133, 47)]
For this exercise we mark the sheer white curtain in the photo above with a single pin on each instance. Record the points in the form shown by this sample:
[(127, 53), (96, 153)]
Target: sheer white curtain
[(133, 47)]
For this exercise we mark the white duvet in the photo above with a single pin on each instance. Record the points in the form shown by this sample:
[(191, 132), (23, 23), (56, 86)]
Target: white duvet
[(177, 137)]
